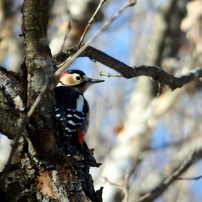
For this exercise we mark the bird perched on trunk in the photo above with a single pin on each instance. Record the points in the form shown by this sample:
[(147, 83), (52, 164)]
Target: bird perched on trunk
[(72, 109)]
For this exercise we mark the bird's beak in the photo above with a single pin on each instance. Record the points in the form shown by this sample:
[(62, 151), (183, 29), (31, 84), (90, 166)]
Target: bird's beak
[(95, 80)]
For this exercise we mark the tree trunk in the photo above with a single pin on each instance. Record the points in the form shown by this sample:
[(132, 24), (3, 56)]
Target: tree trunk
[(44, 172)]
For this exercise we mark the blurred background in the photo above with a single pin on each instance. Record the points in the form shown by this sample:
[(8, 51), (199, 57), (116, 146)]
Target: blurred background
[(141, 130)]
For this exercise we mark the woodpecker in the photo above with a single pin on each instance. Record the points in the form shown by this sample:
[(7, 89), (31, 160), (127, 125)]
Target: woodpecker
[(72, 109)]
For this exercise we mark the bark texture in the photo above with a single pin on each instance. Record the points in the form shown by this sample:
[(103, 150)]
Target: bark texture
[(43, 172)]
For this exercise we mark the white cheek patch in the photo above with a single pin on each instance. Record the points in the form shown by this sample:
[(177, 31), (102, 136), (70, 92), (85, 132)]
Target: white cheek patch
[(80, 103)]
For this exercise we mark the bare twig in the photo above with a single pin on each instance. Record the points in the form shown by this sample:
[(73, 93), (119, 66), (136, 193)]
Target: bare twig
[(125, 187), (189, 178), (132, 169), (110, 75), (90, 22), (162, 186), (66, 35), (113, 184)]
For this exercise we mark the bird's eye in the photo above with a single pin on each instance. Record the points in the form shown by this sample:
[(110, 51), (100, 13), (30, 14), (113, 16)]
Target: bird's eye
[(78, 78)]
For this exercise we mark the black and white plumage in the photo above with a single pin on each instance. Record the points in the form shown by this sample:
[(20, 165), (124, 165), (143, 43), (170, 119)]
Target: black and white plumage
[(71, 109)]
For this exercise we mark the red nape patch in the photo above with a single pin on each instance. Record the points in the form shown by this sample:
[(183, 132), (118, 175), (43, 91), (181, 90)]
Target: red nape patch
[(80, 136), (62, 75)]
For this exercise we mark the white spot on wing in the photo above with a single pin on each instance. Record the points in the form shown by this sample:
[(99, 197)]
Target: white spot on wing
[(78, 117), (68, 129), (72, 123), (80, 103)]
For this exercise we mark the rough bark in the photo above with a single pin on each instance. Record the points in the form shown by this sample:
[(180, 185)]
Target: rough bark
[(44, 172)]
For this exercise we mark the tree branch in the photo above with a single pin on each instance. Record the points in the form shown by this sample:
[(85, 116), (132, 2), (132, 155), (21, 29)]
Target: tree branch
[(154, 72), (156, 192), (90, 22), (128, 72)]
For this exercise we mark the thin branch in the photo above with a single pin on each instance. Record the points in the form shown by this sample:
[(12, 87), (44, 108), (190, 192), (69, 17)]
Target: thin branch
[(173, 177), (90, 22), (110, 75), (132, 169), (113, 184), (66, 35), (189, 178)]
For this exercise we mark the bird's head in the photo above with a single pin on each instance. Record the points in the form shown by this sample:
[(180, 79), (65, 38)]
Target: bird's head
[(77, 79)]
